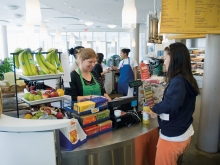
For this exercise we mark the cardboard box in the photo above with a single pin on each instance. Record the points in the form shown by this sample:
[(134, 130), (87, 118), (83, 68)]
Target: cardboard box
[(83, 106), (103, 114)]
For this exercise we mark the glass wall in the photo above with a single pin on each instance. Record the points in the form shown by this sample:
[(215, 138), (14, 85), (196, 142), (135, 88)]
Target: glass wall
[(108, 43)]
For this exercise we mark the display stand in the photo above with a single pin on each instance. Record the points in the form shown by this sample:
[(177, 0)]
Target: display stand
[(31, 78)]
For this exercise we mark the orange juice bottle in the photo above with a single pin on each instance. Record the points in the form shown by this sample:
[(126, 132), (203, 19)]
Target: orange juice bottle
[(146, 118)]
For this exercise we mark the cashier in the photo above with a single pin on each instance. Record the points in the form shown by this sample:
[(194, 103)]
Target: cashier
[(128, 71), (84, 81)]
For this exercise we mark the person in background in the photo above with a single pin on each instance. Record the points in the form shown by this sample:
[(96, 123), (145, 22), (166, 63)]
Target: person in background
[(128, 71), (99, 69), (84, 81), (75, 52), (175, 110)]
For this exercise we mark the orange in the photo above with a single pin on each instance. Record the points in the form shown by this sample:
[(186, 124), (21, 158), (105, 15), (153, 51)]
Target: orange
[(60, 92)]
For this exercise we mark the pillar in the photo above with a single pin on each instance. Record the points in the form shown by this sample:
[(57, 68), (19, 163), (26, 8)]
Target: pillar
[(4, 41), (135, 37), (209, 125)]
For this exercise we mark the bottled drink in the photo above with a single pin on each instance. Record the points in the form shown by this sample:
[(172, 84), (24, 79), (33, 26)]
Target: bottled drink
[(146, 118)]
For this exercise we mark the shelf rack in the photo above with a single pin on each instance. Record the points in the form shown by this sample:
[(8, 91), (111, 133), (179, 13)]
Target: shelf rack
[(26, 78)]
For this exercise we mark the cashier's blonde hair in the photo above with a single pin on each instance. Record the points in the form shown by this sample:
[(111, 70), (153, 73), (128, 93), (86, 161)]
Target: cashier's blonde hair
[(87, 53)]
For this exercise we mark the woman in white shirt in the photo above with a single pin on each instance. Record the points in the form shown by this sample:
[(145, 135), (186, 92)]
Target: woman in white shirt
[(75, 52)]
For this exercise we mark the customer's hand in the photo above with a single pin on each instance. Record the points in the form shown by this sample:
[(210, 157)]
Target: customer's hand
[(152, 114), (114, 67)]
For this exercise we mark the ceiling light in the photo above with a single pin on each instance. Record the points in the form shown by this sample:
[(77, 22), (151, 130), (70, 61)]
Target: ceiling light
[(133, 42), (88, 23), (129, 14), (33, 12), (11, 7), (43, 31), (113, 42), (17, 15), (98, 41), (84, 41), (65, 3), (72, 39), (112, 26), (78, 10), (58, 36), (28, 29)]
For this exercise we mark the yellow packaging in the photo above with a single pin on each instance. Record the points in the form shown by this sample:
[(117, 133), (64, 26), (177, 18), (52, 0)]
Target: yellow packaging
[(146, 118), (84, 106)]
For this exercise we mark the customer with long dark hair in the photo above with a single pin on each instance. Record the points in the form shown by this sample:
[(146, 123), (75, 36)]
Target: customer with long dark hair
[(98, 67), (177, 106)]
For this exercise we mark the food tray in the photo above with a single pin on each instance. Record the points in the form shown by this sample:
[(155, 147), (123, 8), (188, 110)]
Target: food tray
[(40, 77), (41, 101)]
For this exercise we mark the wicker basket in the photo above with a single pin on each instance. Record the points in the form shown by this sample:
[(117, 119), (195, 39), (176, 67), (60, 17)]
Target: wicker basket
[(11, 89)]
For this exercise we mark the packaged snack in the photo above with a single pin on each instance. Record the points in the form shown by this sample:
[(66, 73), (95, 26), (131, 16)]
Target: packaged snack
[(105, 125), (103, 114), (99, 101), (83, 106), (91, 130), (86, 119)]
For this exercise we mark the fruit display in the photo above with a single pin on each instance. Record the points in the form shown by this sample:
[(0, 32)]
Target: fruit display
[(34, 95), (24, 59), (45, 112)]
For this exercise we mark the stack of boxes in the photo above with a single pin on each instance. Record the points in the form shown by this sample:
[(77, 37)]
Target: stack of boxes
[(93, 116)]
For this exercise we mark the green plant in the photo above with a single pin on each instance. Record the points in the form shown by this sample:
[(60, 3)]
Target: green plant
[(6, 66)]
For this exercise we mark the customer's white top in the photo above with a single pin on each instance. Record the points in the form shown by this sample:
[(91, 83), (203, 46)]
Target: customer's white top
[(11, 124)]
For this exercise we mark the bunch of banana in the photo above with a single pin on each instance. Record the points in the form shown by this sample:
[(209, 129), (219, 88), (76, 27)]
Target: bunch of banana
[(44, 64), (16, 53), (52, 56), (26, 63)]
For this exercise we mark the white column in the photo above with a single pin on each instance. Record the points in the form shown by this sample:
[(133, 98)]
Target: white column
[(209, 122), (135, 37), (4, 41)]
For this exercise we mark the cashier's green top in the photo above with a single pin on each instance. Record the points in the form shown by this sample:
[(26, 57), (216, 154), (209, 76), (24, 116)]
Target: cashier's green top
[(81, 87)]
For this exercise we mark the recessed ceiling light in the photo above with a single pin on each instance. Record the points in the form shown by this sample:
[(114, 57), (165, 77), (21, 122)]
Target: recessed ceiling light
[(105, 18), (65, 3), (17, 15), (111, 26), (78, 10), (88, 23), (11, 7)]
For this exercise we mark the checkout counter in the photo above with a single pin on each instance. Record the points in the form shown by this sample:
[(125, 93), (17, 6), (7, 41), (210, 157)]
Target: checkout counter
[(133, 145), (130, 142)]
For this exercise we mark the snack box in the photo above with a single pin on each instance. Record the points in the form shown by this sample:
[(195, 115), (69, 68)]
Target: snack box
[(100, 101), (102, 114), (105, 125), (83, 106), (86, 119), (91, 130)]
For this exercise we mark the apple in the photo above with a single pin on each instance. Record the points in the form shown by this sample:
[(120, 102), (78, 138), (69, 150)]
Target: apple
[(39, 113), (45, 95), (33, 92), (39, 92), (59, 115), (31, 88), (54, 94), (47, 110), (31, 97), (37, 97), (35, 117), (26, 95)]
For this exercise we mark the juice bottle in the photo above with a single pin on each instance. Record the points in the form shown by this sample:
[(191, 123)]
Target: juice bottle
[(146, 118)]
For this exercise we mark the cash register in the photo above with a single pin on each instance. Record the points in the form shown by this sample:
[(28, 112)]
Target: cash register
[(128, 105)]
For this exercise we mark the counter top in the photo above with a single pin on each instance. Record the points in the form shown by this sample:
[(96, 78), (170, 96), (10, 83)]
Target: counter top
[(11, 124), (117, 136)]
